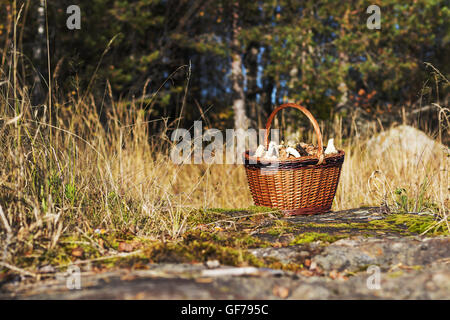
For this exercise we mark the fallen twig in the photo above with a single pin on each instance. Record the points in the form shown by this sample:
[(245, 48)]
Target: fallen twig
[(238, 217), (238, 272), (8, 233), (17, 269), (119, 255)]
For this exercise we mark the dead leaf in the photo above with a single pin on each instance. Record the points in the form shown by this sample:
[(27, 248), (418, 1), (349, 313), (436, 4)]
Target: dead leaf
[(202, 227), (140, 296), (280, 291), (204, 280), (333, 274), (128, 277), (307, 263), (306, 273), (337, 275), (126, 247), (78, 252)]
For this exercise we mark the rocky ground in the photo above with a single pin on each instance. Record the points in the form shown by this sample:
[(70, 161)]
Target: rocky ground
[(355, 254)]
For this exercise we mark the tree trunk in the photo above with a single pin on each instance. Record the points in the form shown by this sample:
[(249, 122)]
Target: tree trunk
[(251, 67), (267, 86), (237, 79), (38, 54), (343, 66), (343, 88)]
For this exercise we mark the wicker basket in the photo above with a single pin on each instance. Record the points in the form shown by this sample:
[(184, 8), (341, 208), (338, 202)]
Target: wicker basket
[(305, 185)]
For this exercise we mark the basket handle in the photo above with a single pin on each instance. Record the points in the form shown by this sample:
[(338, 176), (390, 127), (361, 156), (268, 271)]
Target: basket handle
[(310, 117)]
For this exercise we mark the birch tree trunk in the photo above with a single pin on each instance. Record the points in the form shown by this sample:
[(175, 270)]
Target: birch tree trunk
[(38, 54), (237, 79), (343, 66)]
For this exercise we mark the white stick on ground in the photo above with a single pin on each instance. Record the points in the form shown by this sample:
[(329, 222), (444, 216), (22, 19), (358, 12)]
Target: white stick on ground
[(229, 272)]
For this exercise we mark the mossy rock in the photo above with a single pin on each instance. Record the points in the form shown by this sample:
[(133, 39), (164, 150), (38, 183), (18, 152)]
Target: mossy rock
[(229, 235)]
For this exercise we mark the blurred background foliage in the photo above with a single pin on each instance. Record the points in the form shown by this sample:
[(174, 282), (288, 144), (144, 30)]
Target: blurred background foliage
[(319, 53)]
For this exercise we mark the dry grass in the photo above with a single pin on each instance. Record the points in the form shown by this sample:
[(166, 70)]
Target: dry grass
[(78, 175), (397, 179), (66, 172)]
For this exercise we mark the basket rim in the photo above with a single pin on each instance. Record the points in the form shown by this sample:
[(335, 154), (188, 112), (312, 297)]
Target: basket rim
[(302, 160), (312, 119)]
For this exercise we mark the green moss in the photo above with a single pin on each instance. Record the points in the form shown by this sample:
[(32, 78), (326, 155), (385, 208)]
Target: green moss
[(351, 225), (216, 214), (395, 274), (198, 251), (400, 223), (308, 237), (195, 246), (384, 225), (229, 246), (200, 246), (279, 228), (284, 266), (413, 223), (229, 239), (205, 216), (421, 223)]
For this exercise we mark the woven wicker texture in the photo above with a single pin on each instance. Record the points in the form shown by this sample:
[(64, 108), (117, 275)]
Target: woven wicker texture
[(306, 185)]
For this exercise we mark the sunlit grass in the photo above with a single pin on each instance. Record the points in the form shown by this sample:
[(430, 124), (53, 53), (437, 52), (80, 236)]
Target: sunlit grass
[(65, 172)]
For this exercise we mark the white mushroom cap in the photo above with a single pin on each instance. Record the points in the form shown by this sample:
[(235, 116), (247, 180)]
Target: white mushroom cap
[(293, 151), (330, 147), (260, 151), (272, 150)]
